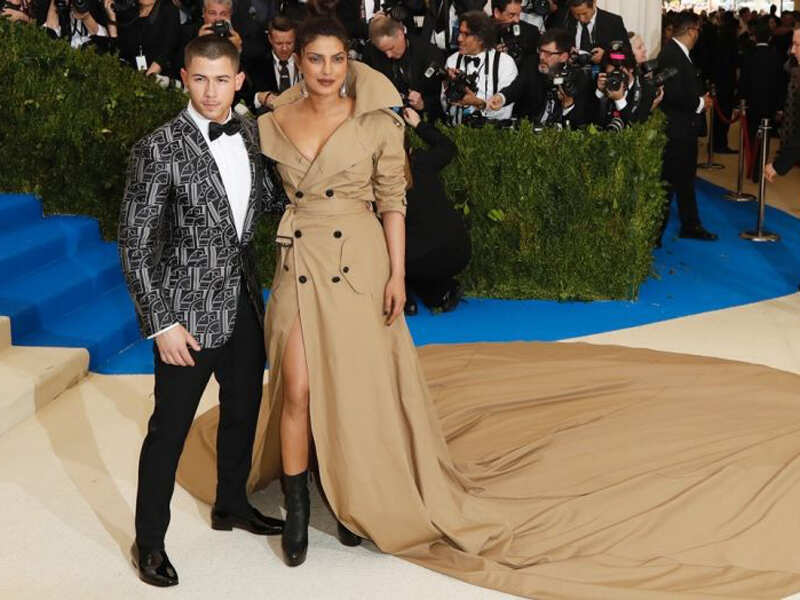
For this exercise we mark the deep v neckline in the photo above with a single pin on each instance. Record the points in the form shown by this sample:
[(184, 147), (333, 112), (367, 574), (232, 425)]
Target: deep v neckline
[(322, 148)]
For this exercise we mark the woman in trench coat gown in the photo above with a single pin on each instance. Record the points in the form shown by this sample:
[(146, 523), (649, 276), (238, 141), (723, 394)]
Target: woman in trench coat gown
[(544, 470)]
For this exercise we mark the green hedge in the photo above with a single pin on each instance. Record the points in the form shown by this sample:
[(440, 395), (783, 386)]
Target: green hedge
[(556, 215), (70, 119)]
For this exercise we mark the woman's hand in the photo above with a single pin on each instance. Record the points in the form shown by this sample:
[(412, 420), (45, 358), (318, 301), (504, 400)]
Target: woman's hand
[(394, 298), (109, 7), (411, 117)]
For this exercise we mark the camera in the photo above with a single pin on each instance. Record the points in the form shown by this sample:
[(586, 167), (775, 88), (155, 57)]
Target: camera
[(657, 77), (62, 6), (537, 7), (126, 10), (616, 79), (510, 37), (456, 89), (616, 125), (221, 28), (81, 6), (395, 9)]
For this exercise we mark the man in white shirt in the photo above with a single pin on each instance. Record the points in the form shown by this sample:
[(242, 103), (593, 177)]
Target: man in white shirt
[(76, 23), (279, 72), (477, 57), (195, 189)]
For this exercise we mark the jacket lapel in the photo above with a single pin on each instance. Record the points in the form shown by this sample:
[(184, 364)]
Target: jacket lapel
[(218, 206), (256, 175)]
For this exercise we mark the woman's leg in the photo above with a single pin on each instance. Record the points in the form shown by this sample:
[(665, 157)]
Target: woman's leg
[(295, 424), (295, 434)]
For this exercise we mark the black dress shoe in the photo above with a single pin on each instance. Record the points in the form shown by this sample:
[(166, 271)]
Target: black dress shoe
[(411, 308), (346, 537), (254, 522), (698, 233), (451, 298), (153, 566)]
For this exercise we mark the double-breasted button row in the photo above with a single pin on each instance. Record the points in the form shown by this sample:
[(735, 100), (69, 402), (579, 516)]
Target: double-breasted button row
[(329, 193), (302, 279), (298, 194)]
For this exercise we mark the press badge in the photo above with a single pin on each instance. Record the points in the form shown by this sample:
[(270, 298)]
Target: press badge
[(141, 61)]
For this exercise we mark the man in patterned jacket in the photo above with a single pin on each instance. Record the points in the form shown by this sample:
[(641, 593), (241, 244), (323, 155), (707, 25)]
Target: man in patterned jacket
[(195, 189)]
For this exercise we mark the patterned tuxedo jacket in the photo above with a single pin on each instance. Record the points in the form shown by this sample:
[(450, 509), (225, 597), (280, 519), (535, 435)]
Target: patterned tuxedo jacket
[(181, 256)]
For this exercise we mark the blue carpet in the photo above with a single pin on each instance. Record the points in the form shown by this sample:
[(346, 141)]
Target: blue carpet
[(76, 298)]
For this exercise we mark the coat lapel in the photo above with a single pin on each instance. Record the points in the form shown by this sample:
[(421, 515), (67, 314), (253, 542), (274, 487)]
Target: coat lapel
[(256, 175), (219, 207)]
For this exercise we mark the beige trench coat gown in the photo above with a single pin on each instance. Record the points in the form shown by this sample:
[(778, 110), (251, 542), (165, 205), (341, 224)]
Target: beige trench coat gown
[(544, 470)]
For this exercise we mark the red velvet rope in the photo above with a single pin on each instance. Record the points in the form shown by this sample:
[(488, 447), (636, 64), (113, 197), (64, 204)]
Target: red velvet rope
[(748, 149)]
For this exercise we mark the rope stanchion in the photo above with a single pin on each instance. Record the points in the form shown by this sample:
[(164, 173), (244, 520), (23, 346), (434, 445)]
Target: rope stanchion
[(710, 164), (759, 235), (739, 195)]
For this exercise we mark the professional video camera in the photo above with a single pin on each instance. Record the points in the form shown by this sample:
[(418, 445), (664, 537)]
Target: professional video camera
[(649, 70), (511, 38), (537, 7)]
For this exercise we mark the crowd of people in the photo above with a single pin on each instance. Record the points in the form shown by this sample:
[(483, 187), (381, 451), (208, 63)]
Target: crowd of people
[(556, 63)]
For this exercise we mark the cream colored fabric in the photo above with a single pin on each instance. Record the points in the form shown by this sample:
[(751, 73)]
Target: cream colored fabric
[(548, 471)]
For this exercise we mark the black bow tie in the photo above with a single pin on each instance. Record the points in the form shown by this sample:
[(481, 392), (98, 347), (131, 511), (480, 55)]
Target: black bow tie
[(475, 60), (215, 130)]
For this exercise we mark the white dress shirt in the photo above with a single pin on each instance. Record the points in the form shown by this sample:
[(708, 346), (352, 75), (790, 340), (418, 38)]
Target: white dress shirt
[(702, 106), (276, 65), (79, 34), (589, 27), (506, 73), (233, 162)]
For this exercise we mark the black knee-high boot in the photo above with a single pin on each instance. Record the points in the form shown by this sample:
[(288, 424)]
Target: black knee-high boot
[(298, 511)]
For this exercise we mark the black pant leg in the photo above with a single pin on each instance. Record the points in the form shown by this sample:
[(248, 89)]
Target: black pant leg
[(240, 372), (431, 275), (177, 393), (679, 171)]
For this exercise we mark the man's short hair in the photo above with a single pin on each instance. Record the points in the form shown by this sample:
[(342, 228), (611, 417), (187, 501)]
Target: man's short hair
[(212, 47), (685, 21), (501, 5), (576, 3), (561, 37), (384, 27), (281, 23), (481, 26), (228, 3)]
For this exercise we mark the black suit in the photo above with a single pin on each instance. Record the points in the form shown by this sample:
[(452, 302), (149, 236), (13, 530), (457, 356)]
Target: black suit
[(408, 72), (608, 28), (527, 40), (437, 243), (184, 262), (760, 85), (639, 100), (262, 78), (682, 96), (527, 92), (789, 153)]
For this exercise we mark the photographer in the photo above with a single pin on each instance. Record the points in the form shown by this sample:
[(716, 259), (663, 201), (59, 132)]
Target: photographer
[(20, 11), (516, 38), (277, 73), (592, 29), (79, 22), (441, 22), (404, 59), (148, 34), (623, 97), (555, 93), (437, 242), (476, 72)]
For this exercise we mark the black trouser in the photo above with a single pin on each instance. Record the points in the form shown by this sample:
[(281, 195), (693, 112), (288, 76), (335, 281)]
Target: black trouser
[(679, 171), (238, 366), (721, 128), (431, 276)]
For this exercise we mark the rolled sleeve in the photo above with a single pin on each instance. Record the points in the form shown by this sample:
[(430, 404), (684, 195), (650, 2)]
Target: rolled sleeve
[(389, 174)]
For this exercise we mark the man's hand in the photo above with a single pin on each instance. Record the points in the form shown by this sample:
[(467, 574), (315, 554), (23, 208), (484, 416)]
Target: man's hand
[(394, 298), (597, 55), (415, 100), (109, 7), (602, 82), (173, 347), (235, 39), (13, 12), (496, 102), (411, 117), (470, 99), (566, 101), (657, 100), (770, 173)]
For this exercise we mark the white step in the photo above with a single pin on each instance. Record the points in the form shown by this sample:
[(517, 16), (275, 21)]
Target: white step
[(31, 377), (5, 333)]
